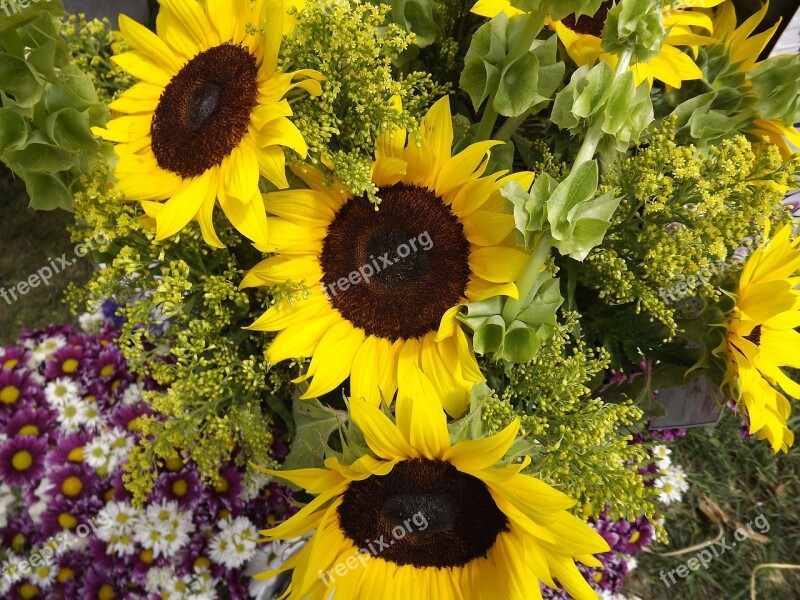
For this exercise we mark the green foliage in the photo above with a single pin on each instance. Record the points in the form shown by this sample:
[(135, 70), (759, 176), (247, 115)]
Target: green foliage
[(578, 443), (683, 212), (183, 326), (516, 81), (517, 339), (346, 41), (47, 108), (568, 210), (90, 45), (775, 86), (634, 25), (595, 97)]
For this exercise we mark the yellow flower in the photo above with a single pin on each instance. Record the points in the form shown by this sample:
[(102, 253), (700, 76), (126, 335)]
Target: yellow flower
[(384, 286), (582, 39), (761, 338), (743, 51), (436, 520), (207, 117)]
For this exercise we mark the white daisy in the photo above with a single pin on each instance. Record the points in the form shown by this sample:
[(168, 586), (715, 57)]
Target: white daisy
[(97, 453), (94, 418), (41, 494), (44, 350), (672, 485), (9, 568), (92, 322), (73, 415), (254, 483), (62, 390), (132, 394), (123, 518), (158, 578), (661, 454), (631, 562), (43, 575), (7, 499)]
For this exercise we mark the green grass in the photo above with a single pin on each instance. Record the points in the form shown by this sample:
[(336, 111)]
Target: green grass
[(29, 239), (744, 480)]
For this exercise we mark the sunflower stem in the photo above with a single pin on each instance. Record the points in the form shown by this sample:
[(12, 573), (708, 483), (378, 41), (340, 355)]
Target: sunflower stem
[(528, 277)]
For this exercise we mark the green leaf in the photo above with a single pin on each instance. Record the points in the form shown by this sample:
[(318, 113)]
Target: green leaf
[(47, 191), (775, 84), (70, 130), (48, 158), (521, 344), (19, 83), (517, 88), (19, 17), (634, 24), (489, 336), (314, 425), (13, 130)]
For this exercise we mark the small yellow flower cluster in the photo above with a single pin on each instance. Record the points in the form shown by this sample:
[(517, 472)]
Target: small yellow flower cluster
[(90, 44), (183, 327), (684, 211), (348, 43), (578, 443)]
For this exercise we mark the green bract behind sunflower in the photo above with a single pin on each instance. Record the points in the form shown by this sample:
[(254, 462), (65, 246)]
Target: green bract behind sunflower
[(207, 117), (423, 517), (383, 286)]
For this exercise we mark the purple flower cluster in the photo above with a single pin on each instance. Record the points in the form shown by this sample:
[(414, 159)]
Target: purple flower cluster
[(626, 539), (68, 529)]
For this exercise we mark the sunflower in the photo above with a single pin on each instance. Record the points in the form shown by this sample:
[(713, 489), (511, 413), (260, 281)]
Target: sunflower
[(383, 287), (438, 520), (582, 38), (207, 117), (761, 338), (743, 52)]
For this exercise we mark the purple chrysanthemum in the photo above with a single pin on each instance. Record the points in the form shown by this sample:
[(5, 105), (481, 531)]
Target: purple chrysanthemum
[(14, 358), (73, 481), (183, 486), (36, 422), (66, 362), (22, 461)]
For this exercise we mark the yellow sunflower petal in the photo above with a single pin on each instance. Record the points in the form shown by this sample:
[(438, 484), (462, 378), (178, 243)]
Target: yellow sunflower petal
[(476, 455), (419, 416), (381, 435)]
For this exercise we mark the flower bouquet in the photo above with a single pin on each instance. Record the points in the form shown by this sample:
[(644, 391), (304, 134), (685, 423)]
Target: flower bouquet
[(461, 257)]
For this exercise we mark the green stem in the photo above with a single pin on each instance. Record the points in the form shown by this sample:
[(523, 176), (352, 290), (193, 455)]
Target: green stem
[(595, 133), (489, 118), (528, 277), (510, 126)]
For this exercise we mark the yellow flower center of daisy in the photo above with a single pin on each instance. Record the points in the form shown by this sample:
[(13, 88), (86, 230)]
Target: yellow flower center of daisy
[(22, 460), (179, 488), (202, 562), (107, 371), (27, 591), (75, 455), (395, 272), (597, 576), (10, 363), (70, 365), (9, 394), (72, 486), (589, 25), (65, 574), (146, 556), (635, 537), (222, 486), (29, 430), (106, 592), (205, 109), (67, 521), (448, 518), (18, 542)]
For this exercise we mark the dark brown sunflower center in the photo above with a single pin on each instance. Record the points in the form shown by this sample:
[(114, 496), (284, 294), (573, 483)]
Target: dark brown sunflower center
[(205, 109), (424, 513), (589, 25), (394, 272), (755, 335)]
